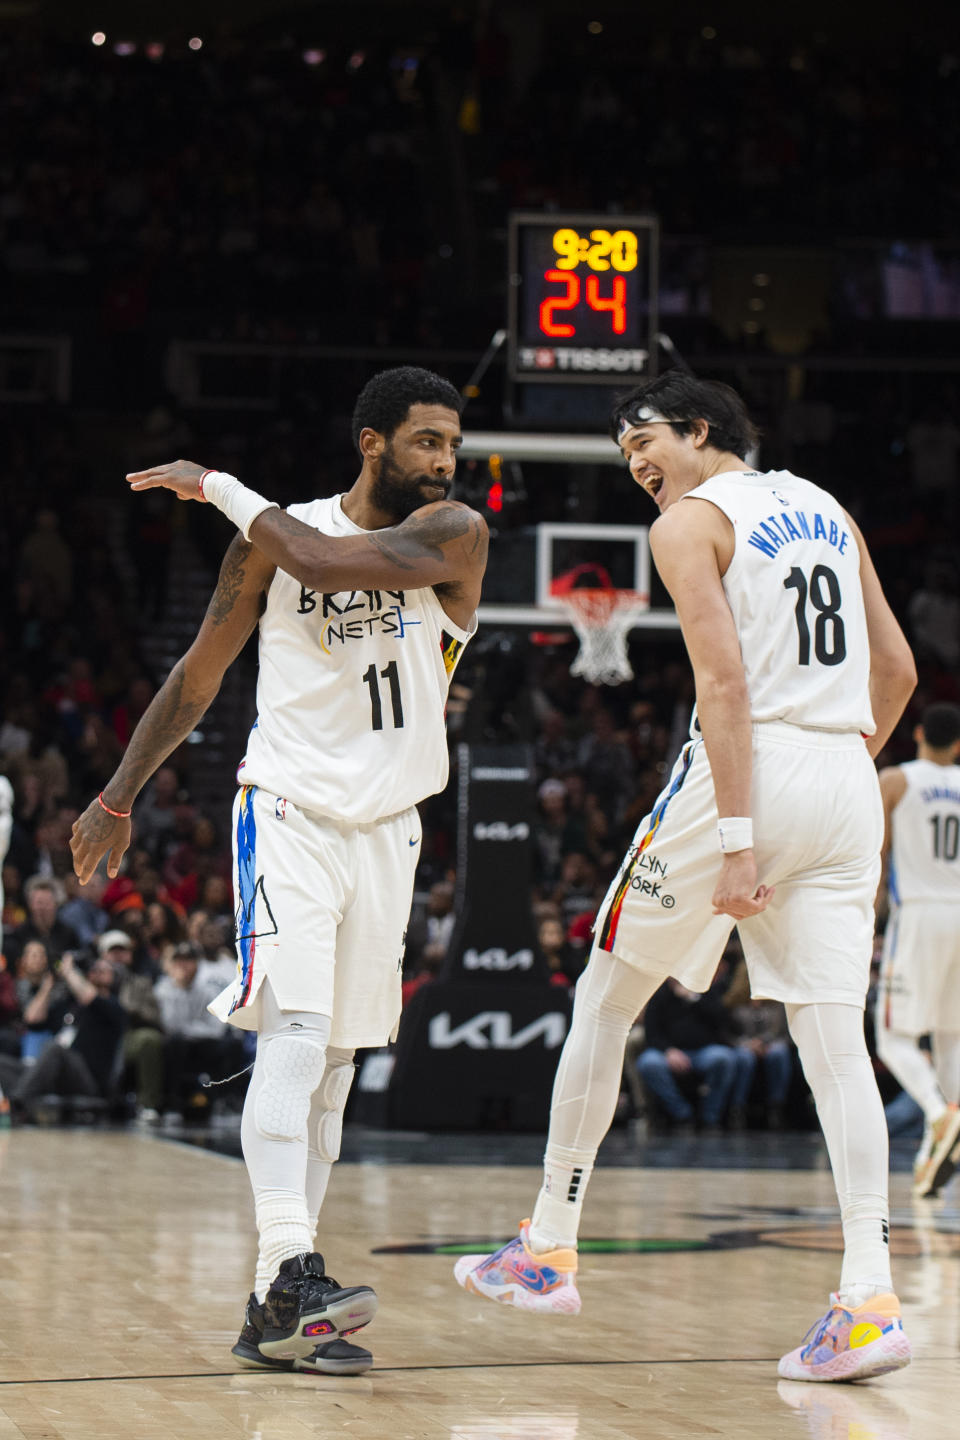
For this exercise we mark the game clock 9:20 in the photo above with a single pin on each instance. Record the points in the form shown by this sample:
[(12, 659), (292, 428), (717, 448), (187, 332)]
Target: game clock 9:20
[(600, 250)]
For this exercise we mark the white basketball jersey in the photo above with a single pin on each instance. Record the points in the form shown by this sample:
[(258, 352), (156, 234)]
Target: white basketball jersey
[(925, 834), (351, 695), (793, 586)]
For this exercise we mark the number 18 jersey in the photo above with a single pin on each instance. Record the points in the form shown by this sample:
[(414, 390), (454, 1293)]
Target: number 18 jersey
[(793, 587), (352, 692)]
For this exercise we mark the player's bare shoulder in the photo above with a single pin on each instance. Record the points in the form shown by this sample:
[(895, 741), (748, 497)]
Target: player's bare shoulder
[(446, 528)]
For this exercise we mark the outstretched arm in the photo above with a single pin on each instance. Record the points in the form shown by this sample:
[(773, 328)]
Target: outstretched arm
[(443, 543), (183, 698)]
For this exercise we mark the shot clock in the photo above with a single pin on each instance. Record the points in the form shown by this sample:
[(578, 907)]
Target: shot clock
[(583, 294)]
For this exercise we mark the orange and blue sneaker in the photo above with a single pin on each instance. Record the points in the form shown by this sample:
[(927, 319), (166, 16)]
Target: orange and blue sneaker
[(515, 1275), (851, 1344)]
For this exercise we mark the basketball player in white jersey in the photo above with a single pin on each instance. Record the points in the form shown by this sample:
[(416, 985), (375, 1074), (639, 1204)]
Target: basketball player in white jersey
[(364, 603), (919, 992), (771, 819)]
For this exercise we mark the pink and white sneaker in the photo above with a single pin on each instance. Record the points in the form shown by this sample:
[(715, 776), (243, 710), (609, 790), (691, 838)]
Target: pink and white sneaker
[(515, 1275), (851, 1344)]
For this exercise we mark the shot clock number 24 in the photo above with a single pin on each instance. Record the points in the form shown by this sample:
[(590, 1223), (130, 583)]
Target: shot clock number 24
[(582, 296)]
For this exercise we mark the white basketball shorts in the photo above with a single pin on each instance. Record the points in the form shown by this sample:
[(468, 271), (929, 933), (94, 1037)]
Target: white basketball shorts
[(920, 971), (322, 910), (818, 828)]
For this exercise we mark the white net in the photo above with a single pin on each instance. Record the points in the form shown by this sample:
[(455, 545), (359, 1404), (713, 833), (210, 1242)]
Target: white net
[(603, 619)]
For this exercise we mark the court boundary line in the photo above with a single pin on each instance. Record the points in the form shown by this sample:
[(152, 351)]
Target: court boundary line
[(264, 1374)]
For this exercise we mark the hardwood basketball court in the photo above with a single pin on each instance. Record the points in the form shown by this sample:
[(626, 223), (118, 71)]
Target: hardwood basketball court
[(127, 1259)]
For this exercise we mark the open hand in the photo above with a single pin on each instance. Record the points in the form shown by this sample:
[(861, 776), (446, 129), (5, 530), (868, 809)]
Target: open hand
[(182, 477)]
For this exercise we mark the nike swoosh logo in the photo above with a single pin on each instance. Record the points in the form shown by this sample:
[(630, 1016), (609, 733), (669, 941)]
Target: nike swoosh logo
[(413, 840)]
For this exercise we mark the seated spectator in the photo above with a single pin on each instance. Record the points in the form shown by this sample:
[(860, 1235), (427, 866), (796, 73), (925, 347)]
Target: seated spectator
[(563, 965), (163, 928), (434, 926), (81, 1059), (43, 899), (82, 909), (10, 1039), (39, 996), (548, 834), (686, 1037), (196, 1041), (761, 1037), (143, 1044), (431, 960), (14, 911), (575, 893), (216, 897), (218, 954)]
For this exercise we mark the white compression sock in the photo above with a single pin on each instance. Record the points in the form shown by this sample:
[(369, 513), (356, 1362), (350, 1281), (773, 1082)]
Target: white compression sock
[(910, 1066), (320, 1160), (946, 1062), (834, 1056), (273, 1132), (610, 995)]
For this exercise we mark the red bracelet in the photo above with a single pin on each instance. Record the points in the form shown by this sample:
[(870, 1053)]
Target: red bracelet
[(117, 814), (201, 480)]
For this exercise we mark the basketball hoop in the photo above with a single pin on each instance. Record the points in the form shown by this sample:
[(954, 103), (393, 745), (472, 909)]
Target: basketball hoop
[(602, 617)]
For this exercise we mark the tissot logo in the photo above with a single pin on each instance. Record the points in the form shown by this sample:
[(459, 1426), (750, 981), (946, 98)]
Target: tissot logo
[(496, 958), (493, 1030), (501, 830)]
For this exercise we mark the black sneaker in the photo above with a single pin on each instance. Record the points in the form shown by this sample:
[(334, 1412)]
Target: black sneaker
[(337, 1357), (247, 1348), (305, 1307)]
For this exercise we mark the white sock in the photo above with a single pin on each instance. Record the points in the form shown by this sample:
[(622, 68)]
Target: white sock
[(284, 1231), (610, 995), (834, 1056)]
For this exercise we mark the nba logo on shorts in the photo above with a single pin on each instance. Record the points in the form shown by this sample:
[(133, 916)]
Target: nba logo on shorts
[(281, 810)]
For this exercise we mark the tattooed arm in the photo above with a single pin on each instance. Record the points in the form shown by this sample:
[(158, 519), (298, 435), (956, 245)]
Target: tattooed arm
[(183, 698), (443, 544)]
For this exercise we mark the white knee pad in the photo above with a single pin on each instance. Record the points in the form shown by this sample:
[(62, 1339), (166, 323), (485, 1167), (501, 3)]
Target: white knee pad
[(332, 1097), (293, 1066)]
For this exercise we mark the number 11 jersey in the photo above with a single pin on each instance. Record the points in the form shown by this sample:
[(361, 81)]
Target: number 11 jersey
[(352, 692), (793, 587)]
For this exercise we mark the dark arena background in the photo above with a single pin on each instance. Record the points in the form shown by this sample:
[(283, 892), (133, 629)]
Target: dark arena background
[(217, 222)]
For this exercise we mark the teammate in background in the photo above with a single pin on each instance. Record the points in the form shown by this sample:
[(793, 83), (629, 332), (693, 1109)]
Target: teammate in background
[(771, 819), (365, 601), (919, 991)]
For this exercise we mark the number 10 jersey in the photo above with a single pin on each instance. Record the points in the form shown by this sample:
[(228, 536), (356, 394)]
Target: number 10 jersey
[(793, 586), (352, 692)]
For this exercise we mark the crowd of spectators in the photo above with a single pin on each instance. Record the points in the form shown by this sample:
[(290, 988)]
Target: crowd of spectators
[(353, 189), (252, 188)]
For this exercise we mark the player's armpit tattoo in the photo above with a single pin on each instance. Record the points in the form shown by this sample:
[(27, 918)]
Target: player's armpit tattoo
[(230, 581)]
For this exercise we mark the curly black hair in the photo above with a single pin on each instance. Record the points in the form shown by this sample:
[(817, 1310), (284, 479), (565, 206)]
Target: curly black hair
[(384, 402)]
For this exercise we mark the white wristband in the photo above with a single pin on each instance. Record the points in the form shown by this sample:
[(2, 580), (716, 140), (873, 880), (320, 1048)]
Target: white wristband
[(239, 504), (735, 833)]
